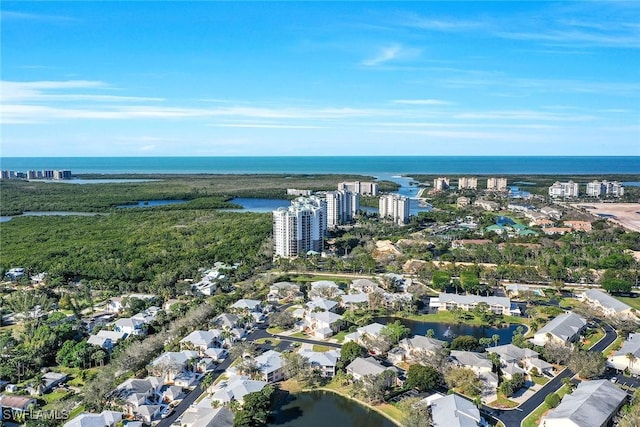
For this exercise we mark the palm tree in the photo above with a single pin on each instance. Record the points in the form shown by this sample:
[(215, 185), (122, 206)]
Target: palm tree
[(98, 357), (495, 338), (632, 359)]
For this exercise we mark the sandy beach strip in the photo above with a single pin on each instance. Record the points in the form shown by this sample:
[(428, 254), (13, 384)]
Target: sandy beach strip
[(625, 214)]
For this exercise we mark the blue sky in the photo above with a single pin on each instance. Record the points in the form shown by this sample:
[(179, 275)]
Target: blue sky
[(315, 78)]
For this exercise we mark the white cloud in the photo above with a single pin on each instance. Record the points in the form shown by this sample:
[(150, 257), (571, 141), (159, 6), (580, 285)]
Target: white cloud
[(390, 53), (422, 102)]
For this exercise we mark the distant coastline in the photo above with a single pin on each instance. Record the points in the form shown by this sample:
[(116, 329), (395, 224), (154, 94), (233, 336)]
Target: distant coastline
[(373, 166)]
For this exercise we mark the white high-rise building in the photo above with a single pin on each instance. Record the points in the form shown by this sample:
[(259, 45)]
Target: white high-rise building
[(441, 184), (497, 184), (341, 207), (362, 188), (564, 189), (605, 188), (468, 183), (394, 207), (300, 228)]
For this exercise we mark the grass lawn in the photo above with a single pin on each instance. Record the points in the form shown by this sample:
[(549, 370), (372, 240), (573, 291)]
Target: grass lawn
[(275, 329), (503, 402), (534, 419), (451, 318), (54, 396), (336, 278), (339, 337), (76, 411), (299, 335), (540, 380), (391, 411), (615, 346), (272, 341), (321, 348), (633, 302), (597, 335)]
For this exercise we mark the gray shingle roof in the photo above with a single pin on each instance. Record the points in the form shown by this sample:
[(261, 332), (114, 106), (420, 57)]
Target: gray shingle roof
[(606, 300), (454, 411), (564, 326), (469, 358), (590, 405), (631, 345), (366, 366), (470, 299)]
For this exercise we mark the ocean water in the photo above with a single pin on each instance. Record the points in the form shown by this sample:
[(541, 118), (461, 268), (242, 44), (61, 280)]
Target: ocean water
[(373, 166)]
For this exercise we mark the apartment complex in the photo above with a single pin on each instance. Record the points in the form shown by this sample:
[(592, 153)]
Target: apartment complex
[(301, 227), (362, 188), (33, 174), (564, 189), (394, 207), (441, 184), (470, 183), (342, 205), (605, 188), (497, 184)]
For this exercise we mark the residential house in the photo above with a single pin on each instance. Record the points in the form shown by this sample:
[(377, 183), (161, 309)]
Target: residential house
[(465, 243), (325, 289), (171, 363), (454, 411), (322, 304), (487, 205), (364, 334), (363, 366), (201, 340), (519, 360), (103, 419), (284, 291), (135, 392), (235, 389), (207, 416), (356, 300), (172, 393), (227, 321), (322, 325), (271, 366), (16, 404), (51, 380), (365, 286), (498, 305), (564, 329), (628, 357), (216, 354), (419, 345), (578, 225), (147, 413), (130, 326), (556, 230), (477, 362), (609, 305), (593, 404), (106, 339), (551, 212), (324, 361), (247, 305)]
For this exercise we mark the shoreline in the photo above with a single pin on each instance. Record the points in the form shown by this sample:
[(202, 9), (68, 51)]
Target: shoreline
[(346, 396)]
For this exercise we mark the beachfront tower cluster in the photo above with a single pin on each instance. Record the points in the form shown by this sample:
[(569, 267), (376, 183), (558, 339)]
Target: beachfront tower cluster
[(341, 207), (301, 227), (605, 188), (358, 187), (394, 207), (468, 182), (497, 184), (564, 189)]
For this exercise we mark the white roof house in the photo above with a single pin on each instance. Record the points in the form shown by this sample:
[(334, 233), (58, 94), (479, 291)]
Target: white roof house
[(103, 419), (499, 305), (284, 290), (247, 305), (324, 324), (322, 304), (202, 339), (129, 326), (325, 288), (365, 286), (236, 388), (226, 320), (592, 404), (609, 305), (325, 361), (621, 361), (271, 366), (354, 299), (454, 411), (563, 329), (478, 362), (362, 366), (372, 330)]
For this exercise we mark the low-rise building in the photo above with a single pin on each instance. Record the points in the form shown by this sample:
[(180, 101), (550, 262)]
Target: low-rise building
[(324, 361), (201, 340), (270, 366), (563, 330), (477, 362), (609, 305), (363, 366), (487, 205), (284, 291), (593, 404), (498, 305), (578, 225), (365, 333), (454, 411), (322, 304), (235, 389), (103, 419), (628, 357)]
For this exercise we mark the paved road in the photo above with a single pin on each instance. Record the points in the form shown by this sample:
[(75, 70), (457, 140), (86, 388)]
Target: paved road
[(306, 341), (514, 417)]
